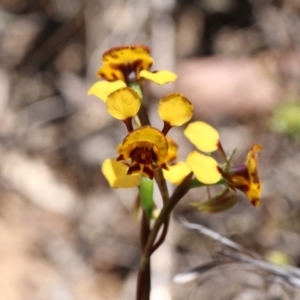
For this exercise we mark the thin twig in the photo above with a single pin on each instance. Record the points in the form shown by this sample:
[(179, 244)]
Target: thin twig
[(214, 235)]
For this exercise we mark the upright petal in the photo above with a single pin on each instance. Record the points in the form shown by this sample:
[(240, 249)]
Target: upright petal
[(255, 187), (123, 103), (175, 109), (102, 89), (116, 174), (203, 136), (149, 135), (204, 167), (119, 62), (160, 77), (147, 148), (245, 177)]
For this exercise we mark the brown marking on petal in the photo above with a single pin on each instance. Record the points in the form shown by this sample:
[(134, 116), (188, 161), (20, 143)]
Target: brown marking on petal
[(114, 55), (142, 155), (143, 159), (114, 77), (240, 170), (243, 187), (131, 68), (255, 202), (119, 48), (120, 157), (164, 166), (153, 154), (148, 171), (254, 177), (134, 168), (100, 74)]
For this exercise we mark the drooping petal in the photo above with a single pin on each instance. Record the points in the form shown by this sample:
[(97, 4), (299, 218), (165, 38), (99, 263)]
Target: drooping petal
[(203, 136), (252, 190), (177, 172), (252, 162), (116, 174), (254, 193), (255, 187), (175, 109), (102, 89), (123, 103), (245, 177), (119, 62), (204, 167), (160, 77), (172, 150)]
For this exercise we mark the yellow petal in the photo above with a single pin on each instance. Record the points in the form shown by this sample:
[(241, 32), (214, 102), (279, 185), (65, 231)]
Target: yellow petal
[(175, 109), (111, 74), (203, 167), (172, 150), (149, 135), (203, 136), (116, 174), (123, 103), (102, 89), (255, 187), (119, 62), (254, 193), (177, 172), (252, 162), (251, 189), (160, 77)]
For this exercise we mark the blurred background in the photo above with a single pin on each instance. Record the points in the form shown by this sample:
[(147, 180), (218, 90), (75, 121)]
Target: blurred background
[(64, 234)]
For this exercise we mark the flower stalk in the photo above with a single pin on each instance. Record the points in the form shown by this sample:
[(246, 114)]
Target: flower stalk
[(147, 155)]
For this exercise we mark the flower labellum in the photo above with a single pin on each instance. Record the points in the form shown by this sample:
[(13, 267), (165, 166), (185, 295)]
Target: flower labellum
[(146, 148)]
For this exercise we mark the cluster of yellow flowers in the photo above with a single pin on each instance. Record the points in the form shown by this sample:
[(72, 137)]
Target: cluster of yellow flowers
[(146, 148)]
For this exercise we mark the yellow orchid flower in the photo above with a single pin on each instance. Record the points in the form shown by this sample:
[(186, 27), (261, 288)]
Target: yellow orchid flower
[(126, 65), (146, 148), (206, 169), (245, 177), (116, 172)]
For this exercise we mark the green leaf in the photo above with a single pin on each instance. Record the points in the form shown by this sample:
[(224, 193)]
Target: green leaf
[(220, 202), (146, 193)]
